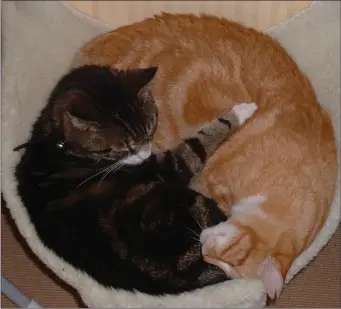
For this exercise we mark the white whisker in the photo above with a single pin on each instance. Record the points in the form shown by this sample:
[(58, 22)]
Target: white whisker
[(197, 222), (198, 240), (195, 233), (113, 168), (106, 174), (102, 170), (98, 160)]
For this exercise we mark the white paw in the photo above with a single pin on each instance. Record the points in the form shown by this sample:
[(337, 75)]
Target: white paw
[(244, 111), (221, 232), (272, 278)]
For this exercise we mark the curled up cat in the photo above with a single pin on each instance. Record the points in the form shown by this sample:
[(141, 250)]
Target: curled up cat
[(102, 201)]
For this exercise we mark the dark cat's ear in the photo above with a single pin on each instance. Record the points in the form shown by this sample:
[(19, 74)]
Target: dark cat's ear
[(136, 79), (79, 111), (81, 124)]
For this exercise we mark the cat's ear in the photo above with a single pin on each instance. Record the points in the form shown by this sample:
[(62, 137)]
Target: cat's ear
[(81, 124), (136, 79), (79, 111)]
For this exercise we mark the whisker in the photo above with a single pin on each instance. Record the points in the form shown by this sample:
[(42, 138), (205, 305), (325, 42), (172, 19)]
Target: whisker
[(103, 177), (101, 170), (197, 222), (196, 239), (195, 233), (98, 160), (113, 169)]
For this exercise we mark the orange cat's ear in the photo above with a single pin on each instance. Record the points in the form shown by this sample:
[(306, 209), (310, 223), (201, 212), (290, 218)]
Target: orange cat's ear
[(272, 277)]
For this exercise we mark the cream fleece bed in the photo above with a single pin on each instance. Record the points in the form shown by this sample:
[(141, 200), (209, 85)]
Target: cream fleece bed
[(39, 41)]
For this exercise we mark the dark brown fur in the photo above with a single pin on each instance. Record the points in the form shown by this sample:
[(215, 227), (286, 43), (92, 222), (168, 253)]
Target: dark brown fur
[(127, 226)]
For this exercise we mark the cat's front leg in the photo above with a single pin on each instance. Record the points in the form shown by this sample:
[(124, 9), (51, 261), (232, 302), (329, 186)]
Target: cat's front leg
[(190, 156), (237, 247)]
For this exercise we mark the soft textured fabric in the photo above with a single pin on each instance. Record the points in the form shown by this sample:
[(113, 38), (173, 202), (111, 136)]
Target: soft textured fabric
[(39, 40), (318, 286)]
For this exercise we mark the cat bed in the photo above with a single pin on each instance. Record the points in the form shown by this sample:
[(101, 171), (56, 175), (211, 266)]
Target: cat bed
[(39, 41)]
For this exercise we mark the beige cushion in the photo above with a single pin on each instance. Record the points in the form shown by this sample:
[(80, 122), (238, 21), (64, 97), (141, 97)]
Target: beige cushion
[(39, 40)]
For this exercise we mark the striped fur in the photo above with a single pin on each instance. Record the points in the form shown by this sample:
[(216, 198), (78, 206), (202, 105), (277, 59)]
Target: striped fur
[(191, 155)]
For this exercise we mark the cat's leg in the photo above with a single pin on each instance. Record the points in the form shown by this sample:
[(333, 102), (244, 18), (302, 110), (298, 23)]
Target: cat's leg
[(241, 246), (189, 158)]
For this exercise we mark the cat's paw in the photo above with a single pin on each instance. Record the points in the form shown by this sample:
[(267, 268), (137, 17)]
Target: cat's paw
[(244, 111), (272, 277), (223, 229), (214, 241)]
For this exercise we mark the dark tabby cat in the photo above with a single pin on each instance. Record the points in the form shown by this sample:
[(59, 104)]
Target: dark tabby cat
[(128, 225)]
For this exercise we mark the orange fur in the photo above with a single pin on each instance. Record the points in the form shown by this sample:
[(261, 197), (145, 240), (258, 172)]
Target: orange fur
[(285, 152)]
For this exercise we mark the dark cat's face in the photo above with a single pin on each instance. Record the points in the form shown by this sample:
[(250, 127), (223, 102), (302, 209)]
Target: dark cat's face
[(106, 113)]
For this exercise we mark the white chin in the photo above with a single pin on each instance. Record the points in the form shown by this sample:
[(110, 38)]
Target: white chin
[(133, 161), (138, 158)]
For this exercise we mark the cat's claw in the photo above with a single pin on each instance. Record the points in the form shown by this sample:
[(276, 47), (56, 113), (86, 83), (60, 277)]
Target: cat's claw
[(244, 111), (272, 277)]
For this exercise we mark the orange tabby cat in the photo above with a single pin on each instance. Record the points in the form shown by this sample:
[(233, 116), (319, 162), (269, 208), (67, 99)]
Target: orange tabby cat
[(278, 171)]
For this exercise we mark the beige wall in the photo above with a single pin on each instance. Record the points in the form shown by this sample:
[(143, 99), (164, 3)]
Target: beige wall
[(257, 14)]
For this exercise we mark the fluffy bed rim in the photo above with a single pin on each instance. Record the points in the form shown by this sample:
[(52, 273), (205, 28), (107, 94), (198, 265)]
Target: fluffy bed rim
[(236, 293)]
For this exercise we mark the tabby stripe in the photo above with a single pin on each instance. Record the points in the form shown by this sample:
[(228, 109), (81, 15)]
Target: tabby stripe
[(184, 171), (170, 160), (177, 167), (118, 120), (197, 147), (225, 121)]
